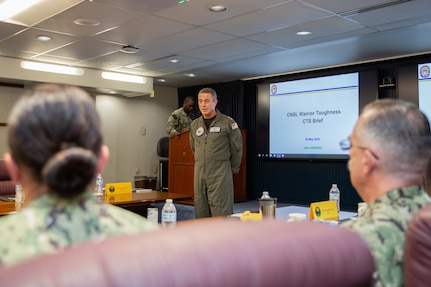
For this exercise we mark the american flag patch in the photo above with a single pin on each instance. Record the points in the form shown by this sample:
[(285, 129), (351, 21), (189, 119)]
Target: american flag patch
[(234, 126)]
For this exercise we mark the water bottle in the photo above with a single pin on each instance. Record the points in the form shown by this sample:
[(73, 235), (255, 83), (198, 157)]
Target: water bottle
[(334, 194), (169, 214), (267, 205), (99, 185)]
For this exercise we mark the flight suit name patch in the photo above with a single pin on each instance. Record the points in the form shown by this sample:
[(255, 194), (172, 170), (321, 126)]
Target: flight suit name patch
[(214, 129)]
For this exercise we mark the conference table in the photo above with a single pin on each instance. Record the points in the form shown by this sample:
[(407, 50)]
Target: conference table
[(133, 201), (282, 213)]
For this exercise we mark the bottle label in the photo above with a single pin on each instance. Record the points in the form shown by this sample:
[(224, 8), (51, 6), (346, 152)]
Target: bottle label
[(153, 214), (169, 217)]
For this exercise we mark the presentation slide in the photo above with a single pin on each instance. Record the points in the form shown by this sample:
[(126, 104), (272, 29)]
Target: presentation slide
[(311, 116), (424, 85)]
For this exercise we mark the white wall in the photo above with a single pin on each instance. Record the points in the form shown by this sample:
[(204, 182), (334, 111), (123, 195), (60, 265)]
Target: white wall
[(122, 120)]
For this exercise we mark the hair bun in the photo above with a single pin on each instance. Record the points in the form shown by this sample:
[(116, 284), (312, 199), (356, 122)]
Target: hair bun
[(70, 171)]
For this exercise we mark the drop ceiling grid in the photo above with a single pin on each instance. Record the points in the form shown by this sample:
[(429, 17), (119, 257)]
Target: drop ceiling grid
[(190, 39), (321, 28), (197, 13), (280, 16), (108, 16)]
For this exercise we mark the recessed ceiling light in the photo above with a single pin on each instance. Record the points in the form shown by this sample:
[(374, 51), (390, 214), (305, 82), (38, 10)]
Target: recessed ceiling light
[(86, 22), (303, 33), (161, 80), (217, 8), (129, 49), (174, 61), (44, 38), (190, 75)]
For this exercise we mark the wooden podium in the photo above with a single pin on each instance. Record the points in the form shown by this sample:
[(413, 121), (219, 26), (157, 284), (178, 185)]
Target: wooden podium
[(181, 168)]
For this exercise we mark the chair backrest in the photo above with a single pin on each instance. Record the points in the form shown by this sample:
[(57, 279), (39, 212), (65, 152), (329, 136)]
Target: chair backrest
[(6, 185), (222, 253), (4, 175), (163, 147), (417, 249)]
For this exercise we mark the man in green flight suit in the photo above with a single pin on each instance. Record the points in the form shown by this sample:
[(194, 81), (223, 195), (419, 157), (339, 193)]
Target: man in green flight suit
[(216, 143)]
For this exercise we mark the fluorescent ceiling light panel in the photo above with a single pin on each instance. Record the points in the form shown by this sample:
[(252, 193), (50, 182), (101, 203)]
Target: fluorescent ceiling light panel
[(51, 68), (124, 77), (10, 8)]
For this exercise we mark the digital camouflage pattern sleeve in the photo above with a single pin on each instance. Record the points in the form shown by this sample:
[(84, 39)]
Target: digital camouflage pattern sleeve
[(383, 227)]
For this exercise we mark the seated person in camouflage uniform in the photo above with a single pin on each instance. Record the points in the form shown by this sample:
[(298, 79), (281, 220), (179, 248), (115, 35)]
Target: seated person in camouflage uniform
[(389, 150), (180, 119), (56, 150)]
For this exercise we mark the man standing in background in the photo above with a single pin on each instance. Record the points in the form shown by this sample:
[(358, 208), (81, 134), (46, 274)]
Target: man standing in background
[(180, 119), (216, 142)]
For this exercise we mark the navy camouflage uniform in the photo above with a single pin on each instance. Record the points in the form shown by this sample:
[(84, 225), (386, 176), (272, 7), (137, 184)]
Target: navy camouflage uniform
[(383, 226), (178, 122), (49, 224), (218, 153)]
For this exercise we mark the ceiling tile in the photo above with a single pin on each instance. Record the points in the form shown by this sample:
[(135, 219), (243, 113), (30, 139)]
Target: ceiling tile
[(143, 6), (108, 16), (143, 30), (288, 38), (7, 30), (340, 6), (85, 49), (120, 59), (197, 12), (52, 59), (27, 41), (393, 14), (276, 17), (225, 51), (190, 39), (250, 39)]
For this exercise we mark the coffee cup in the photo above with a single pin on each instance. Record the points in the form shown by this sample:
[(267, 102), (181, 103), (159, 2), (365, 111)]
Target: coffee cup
[(295, 217)]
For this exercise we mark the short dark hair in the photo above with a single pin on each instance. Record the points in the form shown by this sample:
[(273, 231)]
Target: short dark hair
[(189, 99), (209, 91)]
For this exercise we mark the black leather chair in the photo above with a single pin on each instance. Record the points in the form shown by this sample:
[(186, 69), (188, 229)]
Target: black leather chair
[(163, 152)]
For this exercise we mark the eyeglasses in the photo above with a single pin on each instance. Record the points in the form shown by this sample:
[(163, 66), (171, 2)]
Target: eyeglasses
[(346, 144)]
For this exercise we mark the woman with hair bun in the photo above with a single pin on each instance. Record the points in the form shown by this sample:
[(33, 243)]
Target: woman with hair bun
[(56, 151)]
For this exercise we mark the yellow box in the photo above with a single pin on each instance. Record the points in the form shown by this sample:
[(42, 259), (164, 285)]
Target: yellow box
[(323, 210), (118, 188)]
